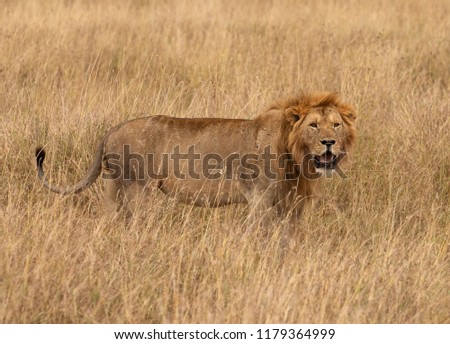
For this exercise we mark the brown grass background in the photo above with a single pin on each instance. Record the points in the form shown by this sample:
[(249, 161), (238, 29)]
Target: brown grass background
[(376, 249)]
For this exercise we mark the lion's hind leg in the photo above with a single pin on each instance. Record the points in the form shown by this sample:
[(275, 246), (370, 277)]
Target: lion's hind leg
[(113, 197), (129, 198)]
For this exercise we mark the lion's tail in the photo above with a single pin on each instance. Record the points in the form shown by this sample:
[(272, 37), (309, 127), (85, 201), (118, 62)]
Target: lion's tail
[(91, 175)]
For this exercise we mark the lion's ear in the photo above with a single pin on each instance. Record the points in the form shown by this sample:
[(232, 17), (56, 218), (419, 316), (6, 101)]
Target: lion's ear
[(348, 113), (292, 115)]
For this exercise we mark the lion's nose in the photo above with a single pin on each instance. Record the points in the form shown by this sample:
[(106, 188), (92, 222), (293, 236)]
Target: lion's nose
[(328, 143)]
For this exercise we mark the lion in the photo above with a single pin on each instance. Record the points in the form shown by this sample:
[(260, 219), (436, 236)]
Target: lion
[(274, 162)]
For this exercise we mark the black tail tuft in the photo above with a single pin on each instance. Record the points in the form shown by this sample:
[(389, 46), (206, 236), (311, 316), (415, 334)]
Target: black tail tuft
[(40, 156)]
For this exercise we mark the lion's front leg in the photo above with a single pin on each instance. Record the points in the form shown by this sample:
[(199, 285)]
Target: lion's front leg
[(292, 214), (262, 212)]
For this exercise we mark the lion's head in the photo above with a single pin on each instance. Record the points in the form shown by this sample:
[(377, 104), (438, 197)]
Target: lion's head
[(318, 131)]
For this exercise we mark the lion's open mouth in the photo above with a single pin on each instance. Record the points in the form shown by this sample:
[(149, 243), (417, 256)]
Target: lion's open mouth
[(326, 160)]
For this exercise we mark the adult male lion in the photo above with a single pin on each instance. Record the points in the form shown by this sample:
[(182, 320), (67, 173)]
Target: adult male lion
[(272, 162)]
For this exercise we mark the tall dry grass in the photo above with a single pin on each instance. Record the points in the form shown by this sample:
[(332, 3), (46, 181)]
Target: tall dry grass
[(376, 249)]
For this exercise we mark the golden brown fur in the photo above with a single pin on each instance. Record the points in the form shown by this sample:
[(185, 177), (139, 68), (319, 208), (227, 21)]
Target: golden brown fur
[(309, 135), (302, 106)]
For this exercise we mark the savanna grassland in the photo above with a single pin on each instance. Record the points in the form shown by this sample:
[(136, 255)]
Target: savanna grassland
[(375, 248)]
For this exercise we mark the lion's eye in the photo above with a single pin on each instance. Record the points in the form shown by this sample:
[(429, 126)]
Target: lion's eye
[(337, 125), (313, 125)]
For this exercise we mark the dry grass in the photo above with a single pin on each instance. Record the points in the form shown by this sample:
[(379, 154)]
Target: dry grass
[(376, 250)]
